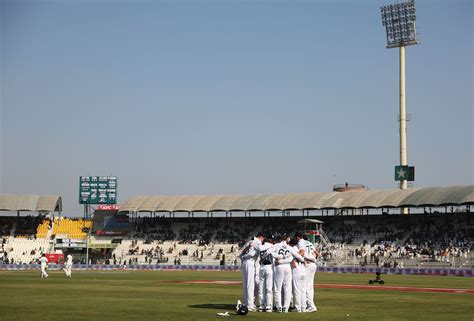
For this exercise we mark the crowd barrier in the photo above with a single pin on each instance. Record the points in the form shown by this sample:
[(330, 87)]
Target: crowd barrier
[(340, 269), (404, 271)]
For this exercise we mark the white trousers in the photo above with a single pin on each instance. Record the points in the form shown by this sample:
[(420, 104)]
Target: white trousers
[(248, 274), (299, 287), (68, 269), (282, 283), (265, 287), (310, 272), (256, 288), (43, 272)]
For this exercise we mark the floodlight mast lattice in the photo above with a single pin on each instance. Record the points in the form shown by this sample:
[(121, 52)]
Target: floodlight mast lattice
[(399, 22)]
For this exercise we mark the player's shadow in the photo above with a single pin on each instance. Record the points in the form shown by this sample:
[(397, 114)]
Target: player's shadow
[(218, 306)]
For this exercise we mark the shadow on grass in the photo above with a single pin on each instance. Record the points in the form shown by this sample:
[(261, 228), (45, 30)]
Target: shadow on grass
[(219, 306)]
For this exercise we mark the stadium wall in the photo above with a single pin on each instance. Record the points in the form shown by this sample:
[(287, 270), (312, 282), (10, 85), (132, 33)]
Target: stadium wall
[(342, 269)]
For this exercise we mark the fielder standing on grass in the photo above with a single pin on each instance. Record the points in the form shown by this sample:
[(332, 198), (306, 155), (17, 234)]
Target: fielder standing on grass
[(68, 266), (44, 266)]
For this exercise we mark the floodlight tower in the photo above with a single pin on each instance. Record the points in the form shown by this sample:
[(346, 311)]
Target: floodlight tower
[(399, 22)]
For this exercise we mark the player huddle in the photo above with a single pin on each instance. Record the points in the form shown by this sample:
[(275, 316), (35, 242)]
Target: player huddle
[(278, 271)]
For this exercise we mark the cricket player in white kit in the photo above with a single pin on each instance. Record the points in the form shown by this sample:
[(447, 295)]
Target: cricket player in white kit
[(44, 266), (248, 257), (299, 275), (68, 266), (265, 288), (283, 255), (310, 258)]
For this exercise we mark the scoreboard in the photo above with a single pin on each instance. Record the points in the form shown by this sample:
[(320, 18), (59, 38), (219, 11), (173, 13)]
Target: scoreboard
[(110, 223), (98, 190)]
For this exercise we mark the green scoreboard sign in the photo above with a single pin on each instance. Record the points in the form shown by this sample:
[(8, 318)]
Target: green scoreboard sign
[(98, 190)]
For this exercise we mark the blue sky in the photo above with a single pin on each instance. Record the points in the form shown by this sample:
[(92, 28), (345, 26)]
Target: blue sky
[(220, 97)]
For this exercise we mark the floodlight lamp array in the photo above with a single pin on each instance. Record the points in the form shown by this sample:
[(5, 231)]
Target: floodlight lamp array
[(399, 22)]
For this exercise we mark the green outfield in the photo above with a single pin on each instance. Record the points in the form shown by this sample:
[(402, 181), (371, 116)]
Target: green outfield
[(129, 295)]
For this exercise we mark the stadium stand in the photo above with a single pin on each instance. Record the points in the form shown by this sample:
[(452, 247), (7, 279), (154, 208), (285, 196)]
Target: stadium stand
[(24, 251), (379, 240), (172, 252), (24, 239), (70, 228), (43, 228), (6, 225), (26, 227), (435, 240), (154, 229)]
